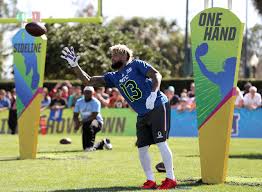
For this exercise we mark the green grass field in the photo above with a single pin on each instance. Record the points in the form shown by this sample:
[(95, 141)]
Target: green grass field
[(68, 168)]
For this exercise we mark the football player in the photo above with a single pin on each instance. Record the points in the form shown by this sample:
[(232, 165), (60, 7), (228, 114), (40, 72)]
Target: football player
[(139, 84)]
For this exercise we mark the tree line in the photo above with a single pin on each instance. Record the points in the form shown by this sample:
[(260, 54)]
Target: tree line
[(155, 40)]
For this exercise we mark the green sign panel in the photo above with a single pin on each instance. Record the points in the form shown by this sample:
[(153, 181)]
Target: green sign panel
[(116, 122), (216, 45)]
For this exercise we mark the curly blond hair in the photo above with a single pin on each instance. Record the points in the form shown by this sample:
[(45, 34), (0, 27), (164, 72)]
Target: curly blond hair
[(121, 49)]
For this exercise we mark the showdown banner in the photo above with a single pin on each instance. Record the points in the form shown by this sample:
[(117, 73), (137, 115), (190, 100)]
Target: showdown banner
[(216, 36), (116, 122)]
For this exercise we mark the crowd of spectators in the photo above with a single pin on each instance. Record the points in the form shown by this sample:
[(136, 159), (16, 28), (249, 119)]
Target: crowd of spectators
[(183, 102), (247, 98), (65, 95)]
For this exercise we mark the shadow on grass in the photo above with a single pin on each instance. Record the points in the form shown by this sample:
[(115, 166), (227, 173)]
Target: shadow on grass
[(240, 156), (65, 151), (46, 158), (101, 189), (192, 155), (183, 185), (63, 158), (247, 156), (187, 183), (9, 158), (250, 184)]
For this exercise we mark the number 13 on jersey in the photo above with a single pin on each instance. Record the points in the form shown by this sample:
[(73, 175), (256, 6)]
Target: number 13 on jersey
[(131, 90)]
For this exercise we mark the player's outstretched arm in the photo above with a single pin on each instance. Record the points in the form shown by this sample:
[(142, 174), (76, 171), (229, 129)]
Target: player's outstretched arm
[(72, 59), (96, 81)]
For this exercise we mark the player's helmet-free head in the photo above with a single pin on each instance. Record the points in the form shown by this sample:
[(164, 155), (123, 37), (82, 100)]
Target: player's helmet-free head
[(121, 54)]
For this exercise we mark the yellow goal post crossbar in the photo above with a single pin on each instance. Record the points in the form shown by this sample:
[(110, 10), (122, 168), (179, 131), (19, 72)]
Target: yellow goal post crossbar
[(56, 20), (96, 19)]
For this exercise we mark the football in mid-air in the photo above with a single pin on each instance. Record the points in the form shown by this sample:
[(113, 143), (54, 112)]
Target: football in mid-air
[(35, 29)]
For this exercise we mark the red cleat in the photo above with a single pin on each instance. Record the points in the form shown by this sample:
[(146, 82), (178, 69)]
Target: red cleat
[(149, 185), (168, 184)]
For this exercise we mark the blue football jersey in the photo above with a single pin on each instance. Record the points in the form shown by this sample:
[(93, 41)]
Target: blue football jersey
[(134, 85)]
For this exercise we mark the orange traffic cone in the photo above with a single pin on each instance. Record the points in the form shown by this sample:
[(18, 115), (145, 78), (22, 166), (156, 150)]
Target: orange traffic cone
[(43, 125)]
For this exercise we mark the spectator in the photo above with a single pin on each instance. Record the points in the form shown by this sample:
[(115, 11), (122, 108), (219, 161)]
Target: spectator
[(183, 105), (71, 90), (252, 100), (92, 121), (65, 92), (184, 101), (4, 101), (46, 99), (191, 103), (172, 97), (109, 91), (12, 117), (75, 96), (116, 100), (66, 86), (184, 96), (54, 90), (102, 96), (239, 103), (184, 91), (191, 93), (246, 88), (58, 102), (8, 95)]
